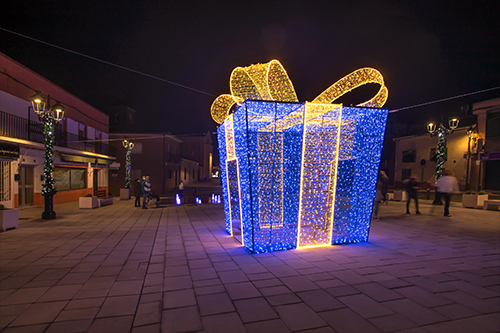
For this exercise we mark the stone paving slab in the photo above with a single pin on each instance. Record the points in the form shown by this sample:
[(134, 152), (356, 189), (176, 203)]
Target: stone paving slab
[(174, 269)]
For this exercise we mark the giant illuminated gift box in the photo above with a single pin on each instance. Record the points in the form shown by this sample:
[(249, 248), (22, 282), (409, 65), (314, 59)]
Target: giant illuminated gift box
[(299, 175)]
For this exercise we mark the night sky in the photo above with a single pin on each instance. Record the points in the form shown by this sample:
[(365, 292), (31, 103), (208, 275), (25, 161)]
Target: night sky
[(426, 50)]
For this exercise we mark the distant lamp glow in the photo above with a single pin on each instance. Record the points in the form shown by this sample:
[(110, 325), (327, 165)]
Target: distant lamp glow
[(453, 123), (431, 128)]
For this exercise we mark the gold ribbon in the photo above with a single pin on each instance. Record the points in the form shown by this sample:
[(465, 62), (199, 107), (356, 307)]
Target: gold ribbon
[(270, 82)]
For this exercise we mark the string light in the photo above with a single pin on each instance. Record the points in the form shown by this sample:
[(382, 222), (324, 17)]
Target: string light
[(270, 82), (128, 145), (48, 188), (299, 175)]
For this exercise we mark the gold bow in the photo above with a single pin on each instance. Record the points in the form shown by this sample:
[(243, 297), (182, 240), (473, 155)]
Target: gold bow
[(270, 82)]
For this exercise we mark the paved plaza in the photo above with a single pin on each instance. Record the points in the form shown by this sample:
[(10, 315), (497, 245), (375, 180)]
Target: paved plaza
[(174, 269)]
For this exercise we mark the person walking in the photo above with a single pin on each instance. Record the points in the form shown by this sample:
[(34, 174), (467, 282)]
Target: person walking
[(137, 192), (447, 185), (411, 189)]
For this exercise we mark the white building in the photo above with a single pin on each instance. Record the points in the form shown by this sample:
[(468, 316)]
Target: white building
[(81, 153)]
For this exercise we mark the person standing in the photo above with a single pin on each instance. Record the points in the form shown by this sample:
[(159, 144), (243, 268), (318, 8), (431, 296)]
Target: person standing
[(411, 189), (144, 189), (379, 193), (181, 189), (385, 184), (447, 186), (137, 192)]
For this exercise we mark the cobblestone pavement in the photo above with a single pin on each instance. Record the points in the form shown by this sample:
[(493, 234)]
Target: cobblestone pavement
[(174, 269)]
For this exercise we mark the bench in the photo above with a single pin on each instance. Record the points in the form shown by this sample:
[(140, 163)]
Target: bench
[(101, 194), (105, 201), (491, 205)]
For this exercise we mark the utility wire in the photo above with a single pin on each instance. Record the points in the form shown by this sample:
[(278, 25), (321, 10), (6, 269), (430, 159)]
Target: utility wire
[(107, 62), (71, 106), (209, 94), (442, 100)]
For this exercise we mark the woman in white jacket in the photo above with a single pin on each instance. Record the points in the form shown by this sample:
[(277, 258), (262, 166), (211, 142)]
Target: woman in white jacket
[(447, 185)]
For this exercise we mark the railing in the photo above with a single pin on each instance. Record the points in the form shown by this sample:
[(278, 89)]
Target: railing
[(18, 127)]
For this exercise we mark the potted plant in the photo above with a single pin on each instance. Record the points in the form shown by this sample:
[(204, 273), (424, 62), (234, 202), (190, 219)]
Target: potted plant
[(473, 200), (9, 218), (124, 194), (400, 195), (88, 201)]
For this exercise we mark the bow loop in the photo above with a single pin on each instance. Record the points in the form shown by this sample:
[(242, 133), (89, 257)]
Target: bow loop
[(270, 82)]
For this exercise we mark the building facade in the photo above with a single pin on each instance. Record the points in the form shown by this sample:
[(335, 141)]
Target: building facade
[(81, 153), (199, 148), (415, 155), (485, 166), (472, 153), (165, 158), (154, 155)]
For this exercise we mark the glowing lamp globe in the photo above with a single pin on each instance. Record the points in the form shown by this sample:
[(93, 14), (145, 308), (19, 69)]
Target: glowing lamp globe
[(58, 112), (431, 128), (38, 102), (453, 123)]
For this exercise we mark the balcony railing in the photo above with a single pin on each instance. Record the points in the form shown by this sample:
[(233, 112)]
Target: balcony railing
[(20, 128)]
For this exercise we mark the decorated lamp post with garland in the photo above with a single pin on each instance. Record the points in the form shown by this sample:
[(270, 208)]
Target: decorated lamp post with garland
[(128, 145), (441, 131), (49, 116)]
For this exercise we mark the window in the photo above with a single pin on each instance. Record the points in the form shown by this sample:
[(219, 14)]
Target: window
[(135, 173), (81, 132), (406, 173), (185, 173), (4, 181), (66, 179), (493, 126), (409, 156), (137, 148)]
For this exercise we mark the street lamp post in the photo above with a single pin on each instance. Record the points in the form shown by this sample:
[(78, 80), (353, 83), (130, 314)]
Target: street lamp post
[(441, 131), (49, 116), (128, 145)]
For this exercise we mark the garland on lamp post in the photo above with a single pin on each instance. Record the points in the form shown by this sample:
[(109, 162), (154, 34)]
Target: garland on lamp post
[(48, 164), (441, 131), (128, 145), (49, 117)]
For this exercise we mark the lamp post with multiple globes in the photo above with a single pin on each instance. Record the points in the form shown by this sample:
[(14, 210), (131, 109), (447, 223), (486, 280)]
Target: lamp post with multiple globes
[(49, 115), (440, 131)]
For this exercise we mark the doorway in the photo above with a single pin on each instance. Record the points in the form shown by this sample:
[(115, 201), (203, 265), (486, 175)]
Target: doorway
[(26, 188), (95, 183)]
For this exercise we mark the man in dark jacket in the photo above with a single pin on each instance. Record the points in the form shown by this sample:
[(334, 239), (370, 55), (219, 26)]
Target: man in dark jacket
[(144, 190), (137, 192)]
